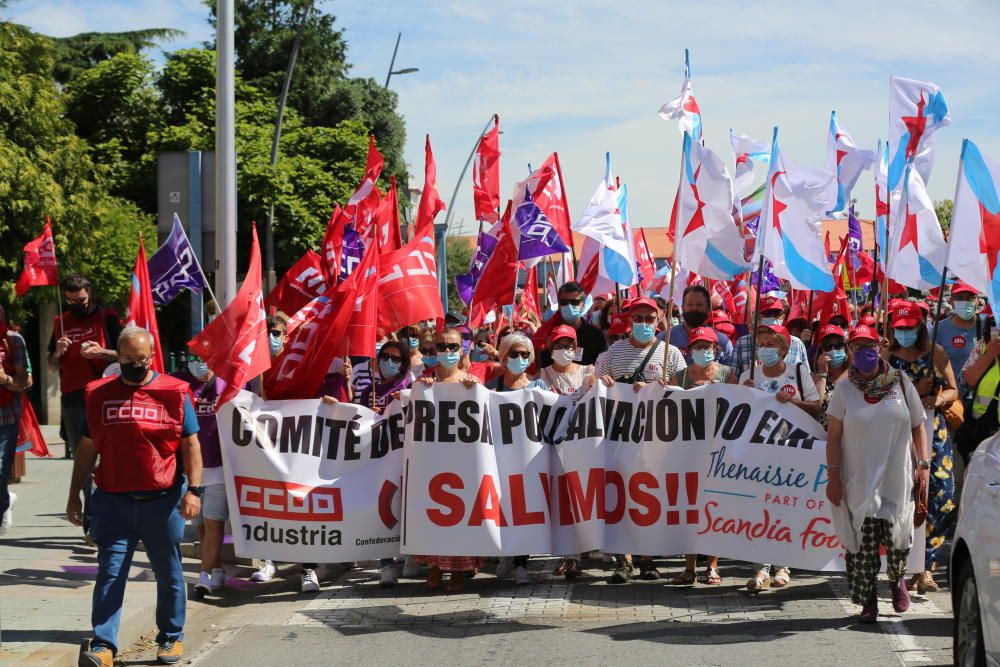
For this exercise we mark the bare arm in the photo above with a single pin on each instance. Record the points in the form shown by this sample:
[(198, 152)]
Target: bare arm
[(191, 455), (83, 465), (834, 485), (18, 381), (949, 394)]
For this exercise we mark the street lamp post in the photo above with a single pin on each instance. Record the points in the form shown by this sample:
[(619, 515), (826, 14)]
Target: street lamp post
[(392, 63), (225, 154), (458, 183)]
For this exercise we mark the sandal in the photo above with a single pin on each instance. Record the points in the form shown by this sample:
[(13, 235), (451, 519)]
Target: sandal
[(687, 578), (782, 578), (913, 584), (572, 569), (760, 581), (927, 584), (434, 577), (712, 577)]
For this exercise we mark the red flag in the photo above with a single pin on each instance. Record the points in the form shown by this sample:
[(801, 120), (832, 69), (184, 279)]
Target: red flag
[(549, 194), (836, 303), (333, 244), (387, 220), (486, 174), (529, 297), (141, 309), (740, 289), (672, 225), (40, 266), (301, 284), (430, 201), (364, 202), (496, 286), (234, 345), (29, 433), (299, 370), (647, 267), (362, 331), (408, 285)]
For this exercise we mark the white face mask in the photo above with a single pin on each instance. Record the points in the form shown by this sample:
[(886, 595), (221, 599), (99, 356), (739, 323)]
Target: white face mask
[(564, 357)]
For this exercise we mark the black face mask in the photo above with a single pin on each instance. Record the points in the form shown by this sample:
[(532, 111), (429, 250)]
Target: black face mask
[(695, 318), (80, 309), (135, 373)]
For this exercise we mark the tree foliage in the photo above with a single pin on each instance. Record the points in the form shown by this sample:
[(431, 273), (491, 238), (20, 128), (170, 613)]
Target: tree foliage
[(76, 54), (943, 210), (459, 258)]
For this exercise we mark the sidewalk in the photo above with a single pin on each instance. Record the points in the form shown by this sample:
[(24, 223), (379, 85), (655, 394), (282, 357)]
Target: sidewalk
[(47, 573)]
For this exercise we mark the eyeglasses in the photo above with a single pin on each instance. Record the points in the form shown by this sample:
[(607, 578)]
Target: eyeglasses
[(277, 333), (570, 302), (643, 319), (427, 351), (523, 354), (826, 347), (564, 346), (447, 347)]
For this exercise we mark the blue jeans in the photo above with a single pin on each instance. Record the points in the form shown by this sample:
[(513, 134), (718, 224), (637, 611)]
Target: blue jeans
[(119, 522), (8, 447)]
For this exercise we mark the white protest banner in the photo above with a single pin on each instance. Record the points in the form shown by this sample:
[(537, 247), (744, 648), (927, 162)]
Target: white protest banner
[(721, 470), (309, 482)]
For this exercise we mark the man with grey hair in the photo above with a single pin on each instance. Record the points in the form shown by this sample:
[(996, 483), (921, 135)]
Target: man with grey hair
[(148, 482), (13, 381)]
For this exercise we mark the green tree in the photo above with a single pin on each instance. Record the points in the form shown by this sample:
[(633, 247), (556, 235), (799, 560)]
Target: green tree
[(943, 210), (76, 54)]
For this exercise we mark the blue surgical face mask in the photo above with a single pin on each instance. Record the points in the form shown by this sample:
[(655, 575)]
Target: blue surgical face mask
[(905, 337), (199, 369), (595, 319), (389, 368), (429, 362), (769, 356), (837, 358), (703, 357), (675, 321), (275, 344), (965, 310), (414, 343), (770, 321), (642, 332), (449, 359), (517, 365), (478, 355), (570, 314)]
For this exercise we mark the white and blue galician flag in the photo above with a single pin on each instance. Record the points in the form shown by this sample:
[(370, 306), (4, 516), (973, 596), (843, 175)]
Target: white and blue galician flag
[(684, 108), (534, 235), (747, 153), (708, 241), (790, 232), (882, 198), (608, 253), (848, 161), (975, 223), (917, 249), (916, 110), (174, 267)]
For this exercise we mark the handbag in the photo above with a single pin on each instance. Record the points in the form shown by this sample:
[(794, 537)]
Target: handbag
[(954, 415)]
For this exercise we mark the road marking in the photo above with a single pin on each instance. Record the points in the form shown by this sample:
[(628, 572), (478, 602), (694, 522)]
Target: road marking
[(220, 640), (902, 641)]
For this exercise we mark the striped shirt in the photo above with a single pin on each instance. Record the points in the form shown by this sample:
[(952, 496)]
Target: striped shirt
[(622, 359)]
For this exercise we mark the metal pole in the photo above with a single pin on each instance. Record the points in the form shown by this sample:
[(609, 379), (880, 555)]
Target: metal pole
[(270, 278), (392, 63), (225, 154), (195, 226), (468, 161)]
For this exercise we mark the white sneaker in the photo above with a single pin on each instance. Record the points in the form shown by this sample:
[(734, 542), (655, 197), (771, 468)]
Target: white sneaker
[(218, 578), (411, 568), (310, 582), (205, 584), (8, 516), (389, 576), (504, 567), (265, 573), (521, 577)]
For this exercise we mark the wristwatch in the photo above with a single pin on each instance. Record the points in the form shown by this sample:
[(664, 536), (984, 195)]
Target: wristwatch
[(924, 463), (196, 491)]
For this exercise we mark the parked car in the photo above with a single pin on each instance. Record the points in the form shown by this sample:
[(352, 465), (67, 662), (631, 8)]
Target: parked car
[(975, 561)]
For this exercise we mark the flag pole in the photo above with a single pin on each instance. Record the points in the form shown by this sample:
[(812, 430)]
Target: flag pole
[(888, 245), (944, 277), (62, 325), (671, 306), (761, 231)]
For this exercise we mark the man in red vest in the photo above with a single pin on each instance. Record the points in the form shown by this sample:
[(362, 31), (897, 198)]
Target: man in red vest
[(144, 428), (13, 381), (82, 345)]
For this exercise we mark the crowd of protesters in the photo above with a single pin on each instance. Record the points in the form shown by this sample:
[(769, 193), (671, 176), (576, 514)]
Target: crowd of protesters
[(924, 386)]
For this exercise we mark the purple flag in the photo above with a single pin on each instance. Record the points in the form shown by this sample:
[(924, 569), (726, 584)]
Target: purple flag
[(855, 242), (770, 282), (352, 251), (533, 233), (466, 283), (174, 267)]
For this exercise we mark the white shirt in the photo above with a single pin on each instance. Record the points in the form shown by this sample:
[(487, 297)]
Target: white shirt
[(786, 383), (622, 358), (875, 459)]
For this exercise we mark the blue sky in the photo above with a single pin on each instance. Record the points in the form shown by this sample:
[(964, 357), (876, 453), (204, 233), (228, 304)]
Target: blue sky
[(585, 77)]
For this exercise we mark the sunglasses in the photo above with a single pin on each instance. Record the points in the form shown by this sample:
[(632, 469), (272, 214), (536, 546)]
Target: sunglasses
[(643, 319), (447, 347), (832, 346), (390, 357), (76, 302), (427, 351), (277, 333), (570, 302), (773, 313), (523, 354)]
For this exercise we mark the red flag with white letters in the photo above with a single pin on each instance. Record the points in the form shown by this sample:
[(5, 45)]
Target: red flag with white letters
[(408, 285), (363, 204), (430, 200), (301, 284), (497, 283), (333, 245), (486, 174), (141, 309), (647, 267), (40, 267), (234, 345), (387, 220)]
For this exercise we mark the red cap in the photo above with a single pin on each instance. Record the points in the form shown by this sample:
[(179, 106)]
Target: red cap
[(863, 332), (562, 331), (771, 303), (963, 288), (905, 314), (830, 330), (868, 320), (780, 330), (719, 317), (643, 301), (620, 325), (706, 334)]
